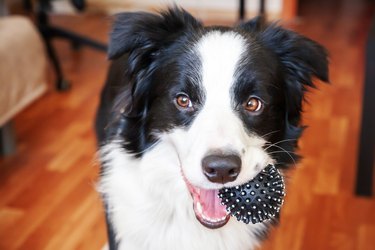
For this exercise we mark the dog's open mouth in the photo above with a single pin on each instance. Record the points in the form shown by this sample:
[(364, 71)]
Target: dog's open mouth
[(207, 207)]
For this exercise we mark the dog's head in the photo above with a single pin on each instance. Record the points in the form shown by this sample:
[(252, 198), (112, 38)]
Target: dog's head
[(229, 100)]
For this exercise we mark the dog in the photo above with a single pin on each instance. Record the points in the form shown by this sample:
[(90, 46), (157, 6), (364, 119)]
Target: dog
[(188, 110)]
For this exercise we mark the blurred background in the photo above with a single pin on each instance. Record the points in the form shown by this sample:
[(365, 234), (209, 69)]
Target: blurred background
[(53, 65)]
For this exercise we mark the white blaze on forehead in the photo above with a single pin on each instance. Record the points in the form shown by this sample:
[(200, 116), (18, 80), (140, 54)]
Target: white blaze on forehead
[(220, 53)]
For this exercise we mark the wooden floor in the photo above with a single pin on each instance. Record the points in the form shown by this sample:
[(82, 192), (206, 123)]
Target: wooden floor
[(47, 196)]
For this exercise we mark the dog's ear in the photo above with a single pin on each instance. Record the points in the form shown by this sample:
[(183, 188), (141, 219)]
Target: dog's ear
[(148, 32), (301, 58), (143, 36)]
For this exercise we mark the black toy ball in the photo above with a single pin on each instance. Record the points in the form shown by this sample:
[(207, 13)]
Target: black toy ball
[(257, 200)]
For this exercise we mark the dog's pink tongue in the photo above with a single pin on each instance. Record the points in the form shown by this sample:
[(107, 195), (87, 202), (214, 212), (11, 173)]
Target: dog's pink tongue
[(211, 204)]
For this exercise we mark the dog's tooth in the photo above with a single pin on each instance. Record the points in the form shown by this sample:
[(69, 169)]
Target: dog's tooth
[(207, 218), (199, 207)]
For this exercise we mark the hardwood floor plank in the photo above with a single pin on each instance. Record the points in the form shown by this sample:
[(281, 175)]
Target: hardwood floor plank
[(41, 199), (57, 231), (366, 237)]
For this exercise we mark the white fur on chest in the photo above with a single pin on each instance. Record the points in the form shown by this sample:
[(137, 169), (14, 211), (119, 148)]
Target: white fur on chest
[(151, 207)]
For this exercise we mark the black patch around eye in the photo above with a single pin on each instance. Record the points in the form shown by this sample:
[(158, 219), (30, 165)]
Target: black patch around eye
[(164, 116), (247, 87), (178, 76), (258, 75)]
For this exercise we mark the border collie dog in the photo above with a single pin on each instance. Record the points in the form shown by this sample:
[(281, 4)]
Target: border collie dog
[(188, 110)]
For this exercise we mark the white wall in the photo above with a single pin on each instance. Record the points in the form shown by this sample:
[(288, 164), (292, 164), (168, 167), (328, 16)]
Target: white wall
[(225, 10), (272, 6)]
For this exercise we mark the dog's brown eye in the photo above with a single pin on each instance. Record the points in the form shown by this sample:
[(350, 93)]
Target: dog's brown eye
[(253, 105), (184, 101)]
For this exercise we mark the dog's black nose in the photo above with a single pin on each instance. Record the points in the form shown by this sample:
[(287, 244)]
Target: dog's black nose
[(221, 168)]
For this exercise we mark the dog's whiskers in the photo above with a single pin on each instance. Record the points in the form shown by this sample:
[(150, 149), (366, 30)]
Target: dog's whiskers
[(274, 152), (285, 151), (272, 144), (272, 132)]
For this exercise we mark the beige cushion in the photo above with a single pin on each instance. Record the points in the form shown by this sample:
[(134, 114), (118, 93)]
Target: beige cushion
[(22, 66)]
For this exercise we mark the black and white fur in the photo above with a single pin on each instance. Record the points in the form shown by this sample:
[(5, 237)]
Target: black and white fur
[(149, 144)]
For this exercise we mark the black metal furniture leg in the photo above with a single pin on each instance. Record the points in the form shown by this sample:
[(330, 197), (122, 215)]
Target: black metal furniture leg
[(76, 39), (366, 150), (49, 32), (241, 14), (61, 83), (262, 7), (7, 139), (242, 9)]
